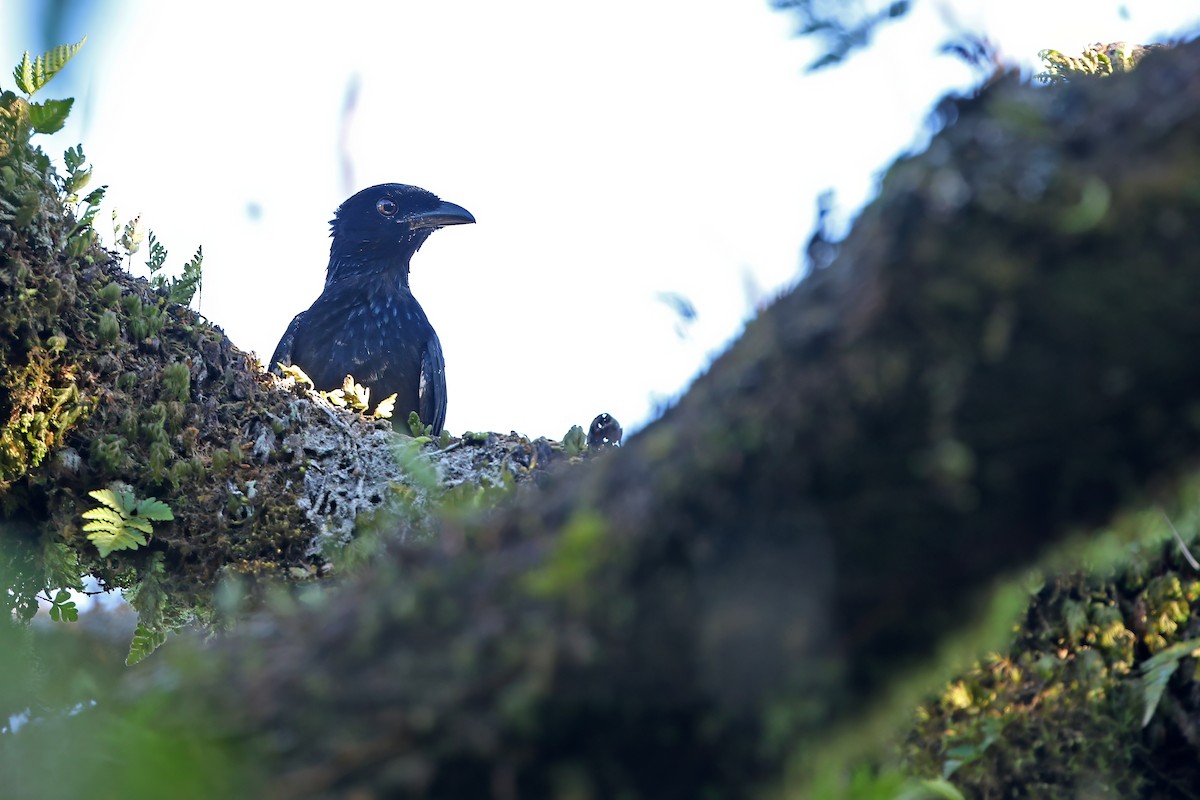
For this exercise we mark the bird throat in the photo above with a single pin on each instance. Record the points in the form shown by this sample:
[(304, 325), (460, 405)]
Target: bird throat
[(389, 260), (364, 269)]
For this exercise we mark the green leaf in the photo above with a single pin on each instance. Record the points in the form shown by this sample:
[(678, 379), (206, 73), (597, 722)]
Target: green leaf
[(73, 158), (62, 607), (187, 285), (110, 541), (31, 76), (77, 180), (104, 517), (158, 254), (1157, 672), (23, 75), (414, 424), (62, 565), (50, 116), (145, 641), (122, 522), (106, 496), (139, 524), (152, 508)]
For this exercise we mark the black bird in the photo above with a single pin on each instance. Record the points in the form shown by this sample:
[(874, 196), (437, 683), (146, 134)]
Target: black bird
[(366, 323)]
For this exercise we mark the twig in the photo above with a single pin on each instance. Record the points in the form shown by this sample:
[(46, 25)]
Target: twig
[(1182, 546)]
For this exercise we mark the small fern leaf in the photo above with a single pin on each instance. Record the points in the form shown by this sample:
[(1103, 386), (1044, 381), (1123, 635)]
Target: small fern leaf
[(23, 75), (102, 516), (145, 641), (50, 116), (191, 282), (158, 253), (153, 508), (414, 424), (73, 158), (48, 64), (1157, 671), (1154, 681), (106, 496), (57, 58), (109, 541), (386, 407), (139, 524)]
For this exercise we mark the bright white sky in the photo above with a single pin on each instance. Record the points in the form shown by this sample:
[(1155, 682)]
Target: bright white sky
[(609, 152)]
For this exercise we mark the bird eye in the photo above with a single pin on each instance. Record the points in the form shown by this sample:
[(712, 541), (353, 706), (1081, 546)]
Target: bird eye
[(386, 206)]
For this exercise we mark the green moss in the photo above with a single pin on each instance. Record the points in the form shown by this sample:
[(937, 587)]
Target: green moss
[(577, 552), (177, 381), (43, 405), (108, 454), (97, 360), (1060, 711), (109, 295), (132, 304)]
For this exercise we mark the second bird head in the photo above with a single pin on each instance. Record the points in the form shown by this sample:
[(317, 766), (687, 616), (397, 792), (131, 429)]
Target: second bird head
[(390, 222)]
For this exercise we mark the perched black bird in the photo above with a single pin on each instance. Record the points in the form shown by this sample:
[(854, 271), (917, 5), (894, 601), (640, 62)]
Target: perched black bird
[(366, 323)]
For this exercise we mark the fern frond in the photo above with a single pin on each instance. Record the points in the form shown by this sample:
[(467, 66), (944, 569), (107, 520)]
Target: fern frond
[(191, 282), (33, 75), (158, 253), (138, 524), (106, 496), (23, 74), (103, 519), (154, 509), (145, 641), (132, 236), (122, 522)]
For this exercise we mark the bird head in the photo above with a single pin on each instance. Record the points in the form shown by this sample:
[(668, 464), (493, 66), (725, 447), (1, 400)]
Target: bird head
[(381, 227)]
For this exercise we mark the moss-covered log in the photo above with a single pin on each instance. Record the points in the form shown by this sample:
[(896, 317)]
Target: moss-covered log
[(1002, 353), (103, 383)]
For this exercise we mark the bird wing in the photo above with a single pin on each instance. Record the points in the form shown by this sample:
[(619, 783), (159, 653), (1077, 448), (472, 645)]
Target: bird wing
[(431, 391), (283, 350)]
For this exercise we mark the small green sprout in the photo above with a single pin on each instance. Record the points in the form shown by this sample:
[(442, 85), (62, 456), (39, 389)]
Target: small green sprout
[(416, 427), (575, 442)]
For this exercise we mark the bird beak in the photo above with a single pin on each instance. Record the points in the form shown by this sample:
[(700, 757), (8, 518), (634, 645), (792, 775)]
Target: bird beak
[(444, 214)]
